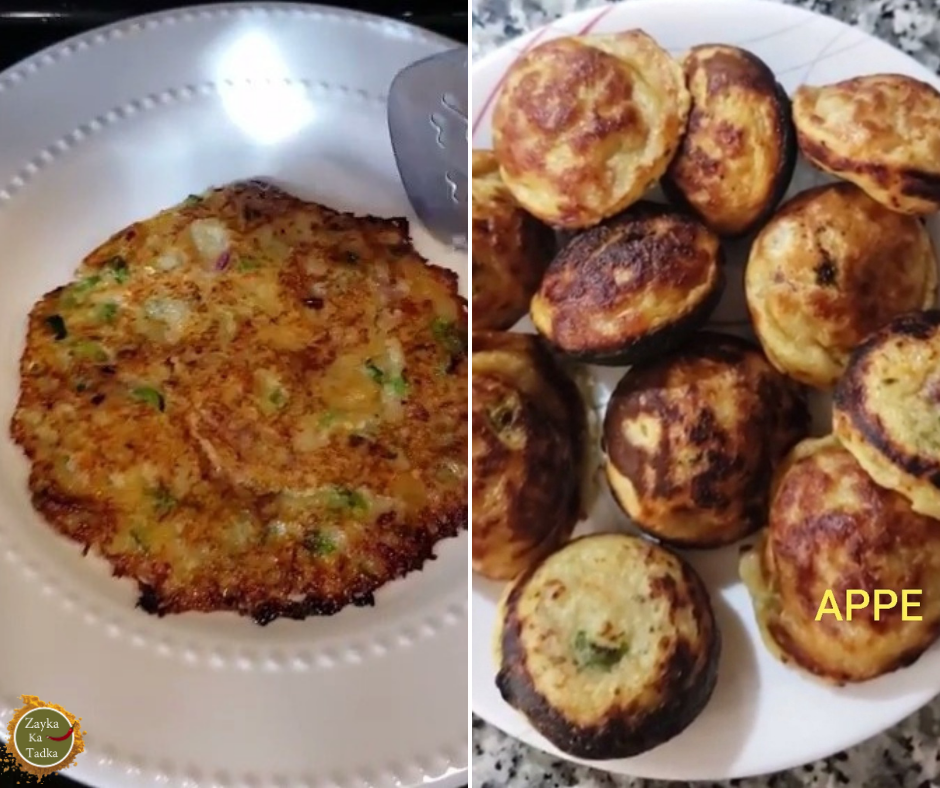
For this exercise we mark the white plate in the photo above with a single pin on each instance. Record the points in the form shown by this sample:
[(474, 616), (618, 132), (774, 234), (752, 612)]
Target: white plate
[(763, 717), (111, 127)]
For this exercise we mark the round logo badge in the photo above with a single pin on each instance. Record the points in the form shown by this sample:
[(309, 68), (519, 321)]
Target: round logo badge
[(44, 738)]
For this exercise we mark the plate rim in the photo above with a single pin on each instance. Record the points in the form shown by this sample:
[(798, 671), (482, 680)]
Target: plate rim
[(19, 72)]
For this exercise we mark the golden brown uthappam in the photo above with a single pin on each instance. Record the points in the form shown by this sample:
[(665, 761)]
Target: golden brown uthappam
[(584, 125), (832, 530), (250, 402), (879, 131)]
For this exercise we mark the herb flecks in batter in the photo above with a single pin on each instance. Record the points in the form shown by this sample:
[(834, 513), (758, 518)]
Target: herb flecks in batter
[(346, 499), (107, 312), (328, 418), (75, 294), (271, 395), (320, 543), (119, 269), (448, 336), (150, 396), (374, 371), (396, 384), (92, 351), (86, 285), (591, 655), (247, 264), (139, 540), (163, 501)]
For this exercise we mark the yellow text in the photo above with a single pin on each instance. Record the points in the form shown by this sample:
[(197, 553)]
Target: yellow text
[(858, 599)]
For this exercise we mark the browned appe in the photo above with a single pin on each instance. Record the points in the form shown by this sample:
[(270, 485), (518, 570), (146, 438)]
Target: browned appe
[(737, 157), (631, 288), (609, 646), (832, 266), (833, 530), (528, 446), (881, 132), (584, 125), (692, 440), (511, 249), (885, 408)]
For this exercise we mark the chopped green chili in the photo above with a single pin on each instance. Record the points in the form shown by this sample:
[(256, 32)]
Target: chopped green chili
[(107, 312), (91, 350), (346, 499), (319, 543), (150, 396), (452, 339), (588, 654), (163, 501), (117, 265), (397, 385)]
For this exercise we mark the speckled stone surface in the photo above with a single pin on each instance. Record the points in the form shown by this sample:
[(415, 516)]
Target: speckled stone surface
[(911, 25), (907, 756)]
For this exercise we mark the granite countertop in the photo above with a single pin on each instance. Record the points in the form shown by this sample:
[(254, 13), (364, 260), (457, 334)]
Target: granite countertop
[(908, 755)]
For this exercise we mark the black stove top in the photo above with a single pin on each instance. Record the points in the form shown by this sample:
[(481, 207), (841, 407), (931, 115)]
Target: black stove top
[(27, 26)]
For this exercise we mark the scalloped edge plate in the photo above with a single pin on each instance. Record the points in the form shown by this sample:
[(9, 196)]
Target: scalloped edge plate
[(109, 127)]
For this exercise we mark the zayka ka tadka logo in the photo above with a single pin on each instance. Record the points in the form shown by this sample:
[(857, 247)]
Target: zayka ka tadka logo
[(44, 738)]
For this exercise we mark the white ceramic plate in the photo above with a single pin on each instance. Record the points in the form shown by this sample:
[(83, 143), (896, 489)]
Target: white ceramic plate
[(111, 127), (763, 717)]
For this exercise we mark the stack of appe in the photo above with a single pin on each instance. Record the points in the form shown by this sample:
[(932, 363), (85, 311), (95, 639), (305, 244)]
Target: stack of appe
[(608, 643), (841, 285)]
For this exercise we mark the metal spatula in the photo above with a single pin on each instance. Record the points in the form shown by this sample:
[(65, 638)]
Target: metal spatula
[(427, 119)]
